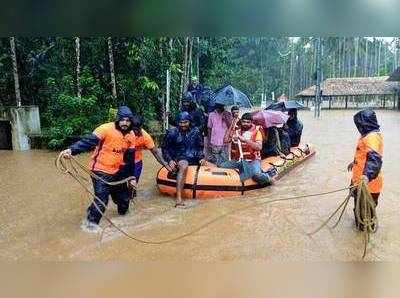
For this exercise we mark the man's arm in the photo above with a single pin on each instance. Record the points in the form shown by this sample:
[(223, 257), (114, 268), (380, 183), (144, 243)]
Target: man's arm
[(158, 156), (373, 165), (255, 145), (86, 144)]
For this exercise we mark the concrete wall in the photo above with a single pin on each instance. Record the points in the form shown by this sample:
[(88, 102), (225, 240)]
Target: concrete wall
[(25, 122)]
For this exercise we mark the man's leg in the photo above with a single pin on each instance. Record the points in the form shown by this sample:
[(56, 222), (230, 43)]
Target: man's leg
[(262, 178), (120, 196), (180, 180), (138, 170), (98, 206)]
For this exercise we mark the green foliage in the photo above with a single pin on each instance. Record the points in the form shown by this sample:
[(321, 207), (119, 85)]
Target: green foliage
[(47, 72)]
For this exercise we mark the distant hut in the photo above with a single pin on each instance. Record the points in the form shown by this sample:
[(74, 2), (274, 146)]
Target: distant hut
[(355, 93)]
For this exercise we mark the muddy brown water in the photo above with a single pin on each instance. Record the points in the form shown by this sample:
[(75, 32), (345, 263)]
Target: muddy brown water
[(41, 210)]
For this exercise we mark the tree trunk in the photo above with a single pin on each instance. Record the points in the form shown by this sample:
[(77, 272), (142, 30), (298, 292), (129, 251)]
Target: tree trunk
[(167, 102), (198, 59), (366, 59), (78, 66), (15, 71), (317, 105), (291, 78), (183, 77), (371, 65), (112, 71), (355, 56), (379, 57), (385, 57), (190, 64), (339, 58)]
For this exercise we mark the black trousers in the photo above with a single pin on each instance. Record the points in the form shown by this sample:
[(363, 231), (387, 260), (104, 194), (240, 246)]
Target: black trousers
[(119, 194)]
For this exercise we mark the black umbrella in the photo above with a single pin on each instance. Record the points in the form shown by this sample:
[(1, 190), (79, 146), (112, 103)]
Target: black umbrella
[(229, 95), (285, 105)]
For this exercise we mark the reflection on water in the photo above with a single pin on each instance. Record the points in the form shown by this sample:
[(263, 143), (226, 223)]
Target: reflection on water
[(41, 210)]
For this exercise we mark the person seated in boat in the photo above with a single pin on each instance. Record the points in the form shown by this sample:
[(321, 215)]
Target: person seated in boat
[(276, 142), (144, 141), (367, 163), (246, 147), (294, 128), (182, 147)]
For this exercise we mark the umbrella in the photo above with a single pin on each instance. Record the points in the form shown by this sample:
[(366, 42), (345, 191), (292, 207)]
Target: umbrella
[(268, 118), (285, 105), (229, 95)]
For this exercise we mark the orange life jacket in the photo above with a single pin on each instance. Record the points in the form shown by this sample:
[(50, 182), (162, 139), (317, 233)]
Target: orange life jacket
[(248, 152), (108, 155), (372, 141)]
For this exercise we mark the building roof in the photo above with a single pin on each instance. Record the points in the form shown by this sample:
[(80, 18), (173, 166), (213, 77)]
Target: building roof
[(353, 86)]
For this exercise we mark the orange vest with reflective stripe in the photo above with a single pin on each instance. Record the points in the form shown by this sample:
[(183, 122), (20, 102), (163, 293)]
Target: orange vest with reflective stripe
[(372, 141), (248, 152), (108, 155)]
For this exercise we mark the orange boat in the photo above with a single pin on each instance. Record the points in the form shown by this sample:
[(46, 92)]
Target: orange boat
[(207, 182)]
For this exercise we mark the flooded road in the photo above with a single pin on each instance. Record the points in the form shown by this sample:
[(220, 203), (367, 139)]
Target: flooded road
[(41, 210)]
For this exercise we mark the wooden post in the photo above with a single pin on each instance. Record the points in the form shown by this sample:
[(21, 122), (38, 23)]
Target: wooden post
[(167, 101), (330, 102), (394, 101), (15, 71), (347, 98), (384, 101)]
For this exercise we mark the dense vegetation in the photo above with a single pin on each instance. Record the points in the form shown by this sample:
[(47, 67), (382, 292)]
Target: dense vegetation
[(70, 79)]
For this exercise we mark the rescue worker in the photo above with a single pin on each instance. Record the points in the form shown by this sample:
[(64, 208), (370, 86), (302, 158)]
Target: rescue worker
[(182, 147), (367, 162), (250, 139), (144, 141), (112, 160), (231, 130), (294, 128)]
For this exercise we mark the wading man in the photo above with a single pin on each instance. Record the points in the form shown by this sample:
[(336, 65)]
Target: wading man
[(367, 162), (112, 160)]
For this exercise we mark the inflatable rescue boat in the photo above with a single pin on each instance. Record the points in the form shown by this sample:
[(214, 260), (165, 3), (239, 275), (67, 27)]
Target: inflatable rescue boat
[(207, 182)]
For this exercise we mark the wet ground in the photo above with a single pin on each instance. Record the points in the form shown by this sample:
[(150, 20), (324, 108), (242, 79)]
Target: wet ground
[(41, 210)]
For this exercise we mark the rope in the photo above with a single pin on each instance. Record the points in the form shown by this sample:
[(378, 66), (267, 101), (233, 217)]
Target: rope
[(364, 211), (72, 171)]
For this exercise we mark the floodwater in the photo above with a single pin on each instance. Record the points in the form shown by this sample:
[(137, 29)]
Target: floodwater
[(41, 210)]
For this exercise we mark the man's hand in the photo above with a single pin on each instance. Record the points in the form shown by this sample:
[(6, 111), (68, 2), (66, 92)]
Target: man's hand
[(132, 183), (365, 179), (350, 167), (172, 165), (169, 169), (203, 162), (242, 139), (66, 153)]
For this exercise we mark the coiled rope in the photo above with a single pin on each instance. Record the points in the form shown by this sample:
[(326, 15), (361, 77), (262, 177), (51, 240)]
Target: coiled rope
[(364, 212)]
